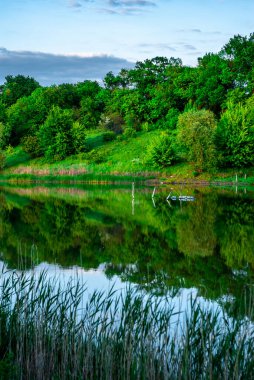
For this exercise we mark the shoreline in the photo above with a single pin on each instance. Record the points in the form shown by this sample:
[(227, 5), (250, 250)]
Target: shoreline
[(144, 178)]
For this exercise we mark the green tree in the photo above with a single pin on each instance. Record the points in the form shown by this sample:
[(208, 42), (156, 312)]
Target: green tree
[(171, 119), (196, 132), (55, 135), (239, 52), (184, 87), (214, 80), (78, 137), (112, 81), (124, 108), (5, 133), (3, 109), (89, 112), (66, 95), (92, 102), (131, 108), (152, 71), (235, 134), (15, 87), (26, 115)]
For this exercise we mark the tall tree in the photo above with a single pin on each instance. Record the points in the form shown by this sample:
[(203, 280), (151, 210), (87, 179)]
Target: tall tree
[(239, 52), (151, 72), (196, 131), (26, 115), (235, 134), (55, 135), (15, 87), (214, 80)]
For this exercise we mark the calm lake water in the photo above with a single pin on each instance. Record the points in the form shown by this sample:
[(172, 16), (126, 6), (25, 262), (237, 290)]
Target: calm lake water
[(121, 235)]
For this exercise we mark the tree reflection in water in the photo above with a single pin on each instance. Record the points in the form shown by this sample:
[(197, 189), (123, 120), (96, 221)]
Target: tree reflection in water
[(207, 244)]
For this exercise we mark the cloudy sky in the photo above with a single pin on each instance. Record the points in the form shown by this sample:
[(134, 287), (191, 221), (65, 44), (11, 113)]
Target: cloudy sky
[(58, 41)]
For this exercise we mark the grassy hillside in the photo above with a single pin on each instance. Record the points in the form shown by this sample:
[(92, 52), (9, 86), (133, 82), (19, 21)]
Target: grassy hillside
[(120, 156), (111, 159)]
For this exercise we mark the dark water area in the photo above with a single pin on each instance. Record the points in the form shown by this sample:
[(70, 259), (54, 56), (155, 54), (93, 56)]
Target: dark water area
[(111, 235)]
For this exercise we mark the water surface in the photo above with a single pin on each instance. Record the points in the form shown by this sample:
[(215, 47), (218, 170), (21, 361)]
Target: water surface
[(106, 235)]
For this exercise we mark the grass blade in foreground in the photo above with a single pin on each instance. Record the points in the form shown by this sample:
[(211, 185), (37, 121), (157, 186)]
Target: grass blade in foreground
[(45, 334)]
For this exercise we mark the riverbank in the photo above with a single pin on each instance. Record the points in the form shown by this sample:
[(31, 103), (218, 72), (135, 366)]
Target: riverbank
[(122, 161), (146, 178)]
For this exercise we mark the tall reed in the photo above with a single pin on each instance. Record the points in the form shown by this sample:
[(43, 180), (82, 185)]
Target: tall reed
[(48, 332)]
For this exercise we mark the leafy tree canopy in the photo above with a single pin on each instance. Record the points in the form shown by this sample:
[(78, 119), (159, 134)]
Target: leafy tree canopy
[(16, 87), (197, 133)]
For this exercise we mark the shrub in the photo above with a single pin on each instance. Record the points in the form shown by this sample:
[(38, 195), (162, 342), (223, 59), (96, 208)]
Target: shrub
[(129, 132), (162, 152), (172, 118), (95, 156), (9, 150), (79, 137), (2, 160), (146, 126), (109, 136), (235, 134), (55, 135), (30, 145), (62, 146), (5, 133), (196, 132)]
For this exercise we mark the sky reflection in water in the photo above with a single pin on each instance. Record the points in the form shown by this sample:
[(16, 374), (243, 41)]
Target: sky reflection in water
[(106, 236)]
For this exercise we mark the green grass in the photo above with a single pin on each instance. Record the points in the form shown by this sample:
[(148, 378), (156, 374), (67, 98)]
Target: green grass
[(126, 155), (47, 332), (120, 157), (16, 157), (240, 175), (95, 138)]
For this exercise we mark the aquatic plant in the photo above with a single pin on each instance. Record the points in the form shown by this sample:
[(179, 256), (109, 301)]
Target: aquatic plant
[(48, 331)]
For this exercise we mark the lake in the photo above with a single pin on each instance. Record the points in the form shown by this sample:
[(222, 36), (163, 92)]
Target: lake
[(126, 282), (120, 235)]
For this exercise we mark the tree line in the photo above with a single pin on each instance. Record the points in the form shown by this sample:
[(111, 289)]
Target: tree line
[(205, 113)]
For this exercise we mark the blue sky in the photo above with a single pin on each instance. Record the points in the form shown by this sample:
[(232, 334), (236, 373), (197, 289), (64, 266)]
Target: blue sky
[(71, 40)]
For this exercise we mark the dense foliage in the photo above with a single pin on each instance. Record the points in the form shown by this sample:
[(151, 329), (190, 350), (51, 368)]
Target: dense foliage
[(196, 133), (204, 111)]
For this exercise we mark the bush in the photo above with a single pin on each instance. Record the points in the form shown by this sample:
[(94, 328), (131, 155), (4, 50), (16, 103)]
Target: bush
[(129, 132), (172, 118), (162, 152), (109, 136), (95, 157), (30, 145), (235, 134), (9, 150), (55, 135), (79, 137), (196, 133), (5, 133), (2, 160), (145, 126)]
